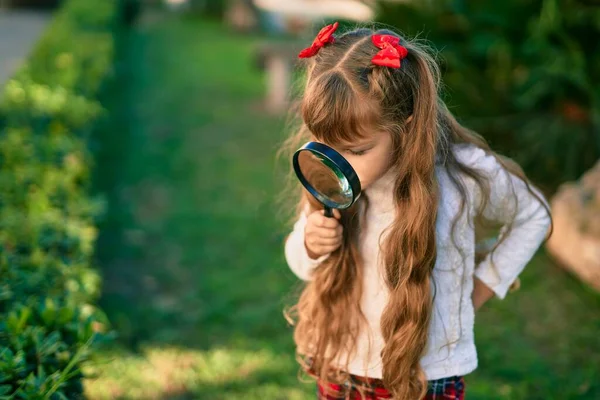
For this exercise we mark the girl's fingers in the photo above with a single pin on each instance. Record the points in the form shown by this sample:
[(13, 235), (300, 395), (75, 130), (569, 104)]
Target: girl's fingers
[(339, 230), (323, 246), (319, 240), (326, 222), (329, 249), (336, 214), (328, 233), (330, 241)]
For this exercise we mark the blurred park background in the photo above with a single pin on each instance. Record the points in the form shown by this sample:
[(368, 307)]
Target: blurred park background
[(141, 247)]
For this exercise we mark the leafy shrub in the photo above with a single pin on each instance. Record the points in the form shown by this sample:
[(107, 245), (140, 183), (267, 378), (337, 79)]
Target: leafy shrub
[(48, 321)]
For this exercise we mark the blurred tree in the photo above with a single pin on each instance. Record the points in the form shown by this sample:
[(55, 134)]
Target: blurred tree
[(524, 73)]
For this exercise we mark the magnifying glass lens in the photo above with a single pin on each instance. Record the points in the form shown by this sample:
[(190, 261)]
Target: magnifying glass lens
[(326, 179), (327, 175)]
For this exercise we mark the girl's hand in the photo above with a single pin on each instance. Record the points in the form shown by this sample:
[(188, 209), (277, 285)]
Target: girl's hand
[(322, 235), (481, 294)]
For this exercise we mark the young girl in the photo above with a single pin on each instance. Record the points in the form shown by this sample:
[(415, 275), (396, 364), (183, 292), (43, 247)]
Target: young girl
[(392, 284)]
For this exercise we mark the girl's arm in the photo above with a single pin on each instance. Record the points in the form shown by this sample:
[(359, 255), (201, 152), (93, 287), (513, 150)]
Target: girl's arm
[(481, 294), (296, 254), (509, 199)]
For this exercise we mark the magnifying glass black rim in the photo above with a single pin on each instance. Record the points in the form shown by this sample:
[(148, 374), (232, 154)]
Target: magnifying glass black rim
[(338, 160)]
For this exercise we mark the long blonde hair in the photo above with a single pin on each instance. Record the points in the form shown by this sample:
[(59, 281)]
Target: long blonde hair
[(345, 97)]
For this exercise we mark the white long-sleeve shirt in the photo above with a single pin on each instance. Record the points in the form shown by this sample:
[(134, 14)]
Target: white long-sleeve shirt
[(451, 348)]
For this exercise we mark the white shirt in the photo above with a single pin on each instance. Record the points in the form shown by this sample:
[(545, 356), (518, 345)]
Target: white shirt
[(451, 348)]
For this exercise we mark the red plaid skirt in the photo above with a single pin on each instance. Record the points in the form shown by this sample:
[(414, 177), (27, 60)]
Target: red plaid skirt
[(452, 388)]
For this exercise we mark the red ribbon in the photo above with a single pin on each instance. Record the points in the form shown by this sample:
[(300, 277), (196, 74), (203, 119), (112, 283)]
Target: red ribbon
[(391, 51), (324, 36)]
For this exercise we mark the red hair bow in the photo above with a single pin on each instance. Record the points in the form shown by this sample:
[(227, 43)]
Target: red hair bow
[(324, 36), (391, 51)]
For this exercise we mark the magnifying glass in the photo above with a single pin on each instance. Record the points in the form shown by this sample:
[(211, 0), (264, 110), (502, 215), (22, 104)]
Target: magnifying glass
[(327, 175)]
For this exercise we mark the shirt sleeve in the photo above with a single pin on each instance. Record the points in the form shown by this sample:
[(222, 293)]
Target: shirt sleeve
[(296, 254), (509, 198)]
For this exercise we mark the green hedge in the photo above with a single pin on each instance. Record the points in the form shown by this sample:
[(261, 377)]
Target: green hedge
[(524, 73), (48, 287)]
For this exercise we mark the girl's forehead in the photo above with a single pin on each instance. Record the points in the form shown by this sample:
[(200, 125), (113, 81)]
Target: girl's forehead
[(354, 141), (358, 142), (339, 139)]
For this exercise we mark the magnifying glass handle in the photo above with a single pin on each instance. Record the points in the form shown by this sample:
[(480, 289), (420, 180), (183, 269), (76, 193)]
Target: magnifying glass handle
[(328, 212)]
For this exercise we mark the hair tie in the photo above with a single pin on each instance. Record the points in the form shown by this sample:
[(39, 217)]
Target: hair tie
[(391, 51), (324, 37)]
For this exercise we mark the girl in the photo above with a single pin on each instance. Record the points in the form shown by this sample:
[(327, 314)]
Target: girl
[(392, 284)]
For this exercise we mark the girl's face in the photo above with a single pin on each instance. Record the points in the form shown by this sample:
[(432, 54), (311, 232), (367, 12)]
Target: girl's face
[(371, 158)]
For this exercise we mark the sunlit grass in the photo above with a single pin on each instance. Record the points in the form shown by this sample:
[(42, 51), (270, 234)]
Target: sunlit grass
[(171, 372)]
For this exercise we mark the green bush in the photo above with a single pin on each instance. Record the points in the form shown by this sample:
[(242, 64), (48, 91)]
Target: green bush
[(48, 288), (524, 73)]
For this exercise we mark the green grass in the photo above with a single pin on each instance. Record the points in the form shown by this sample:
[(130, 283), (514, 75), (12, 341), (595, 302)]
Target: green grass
[(191, 251)]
